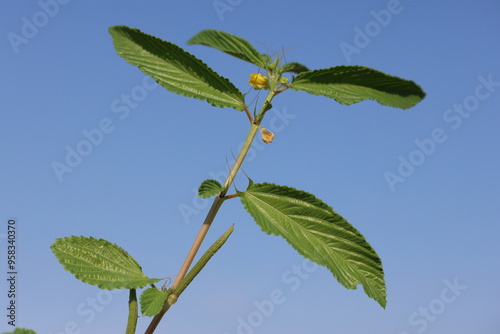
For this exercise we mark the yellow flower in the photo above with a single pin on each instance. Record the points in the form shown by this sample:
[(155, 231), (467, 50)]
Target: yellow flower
[(267, 136), (258, 81)]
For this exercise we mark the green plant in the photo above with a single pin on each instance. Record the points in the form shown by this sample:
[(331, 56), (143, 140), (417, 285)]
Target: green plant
[(309, 225), (21, 331)]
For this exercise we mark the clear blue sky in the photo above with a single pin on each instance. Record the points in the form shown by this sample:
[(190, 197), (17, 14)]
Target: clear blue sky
[(422, 185)]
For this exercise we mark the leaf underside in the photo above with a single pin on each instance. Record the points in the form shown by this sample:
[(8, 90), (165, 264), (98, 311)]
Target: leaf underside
[(317, 233), (152, 301), (294, 67), (209, 188), (100, 262), (175, 69), (352, 84)]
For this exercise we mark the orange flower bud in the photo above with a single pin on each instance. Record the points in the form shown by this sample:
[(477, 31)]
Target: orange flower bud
[(267, 136), (258, 81)]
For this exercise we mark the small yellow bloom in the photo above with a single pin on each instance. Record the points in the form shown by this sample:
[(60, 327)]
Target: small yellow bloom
[(258, 81), (267, 136)]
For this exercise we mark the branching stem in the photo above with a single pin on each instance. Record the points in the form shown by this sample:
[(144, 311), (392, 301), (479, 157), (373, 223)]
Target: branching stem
[(247, 112), (219, 199)]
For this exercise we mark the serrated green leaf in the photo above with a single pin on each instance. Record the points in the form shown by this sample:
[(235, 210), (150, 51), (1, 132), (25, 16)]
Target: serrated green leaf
[(294, 67), (152, 301), (21, 331), (175, 69), (100, 262), (317, 233), (209, 188), (352, 84), (230, 44)]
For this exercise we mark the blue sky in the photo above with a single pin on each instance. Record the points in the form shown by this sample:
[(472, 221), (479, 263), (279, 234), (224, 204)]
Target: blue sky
[(422, 185)]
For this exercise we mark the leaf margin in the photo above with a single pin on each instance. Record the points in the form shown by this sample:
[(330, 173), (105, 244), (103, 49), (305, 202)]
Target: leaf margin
[(394, 92), (375, 288), (65, 256), (209, 188), (230, 44), (219, 91), (152, 301)]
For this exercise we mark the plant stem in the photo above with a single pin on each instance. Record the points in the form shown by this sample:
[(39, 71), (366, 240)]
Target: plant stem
[(199, 239), (133, 309), (217, 203)]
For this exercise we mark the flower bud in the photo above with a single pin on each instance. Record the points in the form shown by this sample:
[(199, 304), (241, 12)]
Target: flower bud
[(283, 80), (258, 81), (267, 136)]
